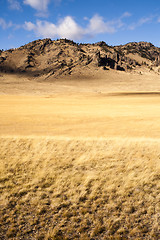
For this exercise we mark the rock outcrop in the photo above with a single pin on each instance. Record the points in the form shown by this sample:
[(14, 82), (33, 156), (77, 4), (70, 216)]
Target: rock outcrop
[(56, 58)]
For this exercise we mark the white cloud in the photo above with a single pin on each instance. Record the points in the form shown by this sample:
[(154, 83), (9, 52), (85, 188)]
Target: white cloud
[(39, 5), (14, 4), (4, 24), (68, 28), (29, 26), (98, 25), (140, 22), (159, 20)]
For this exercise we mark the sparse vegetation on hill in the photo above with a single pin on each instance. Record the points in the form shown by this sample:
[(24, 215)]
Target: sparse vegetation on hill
[(63, 57)]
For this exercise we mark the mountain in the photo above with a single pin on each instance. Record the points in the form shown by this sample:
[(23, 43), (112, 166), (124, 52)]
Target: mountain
[(64, 57)]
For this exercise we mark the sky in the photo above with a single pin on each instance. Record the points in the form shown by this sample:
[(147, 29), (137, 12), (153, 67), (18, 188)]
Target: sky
[(113, 21)]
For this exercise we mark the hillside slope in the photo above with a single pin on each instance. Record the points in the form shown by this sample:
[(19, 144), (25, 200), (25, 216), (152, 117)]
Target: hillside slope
[(64, 57)]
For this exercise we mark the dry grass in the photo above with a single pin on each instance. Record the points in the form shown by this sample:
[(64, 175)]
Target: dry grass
[(86, 80), (84, 166), (70, 188), (93, 115)]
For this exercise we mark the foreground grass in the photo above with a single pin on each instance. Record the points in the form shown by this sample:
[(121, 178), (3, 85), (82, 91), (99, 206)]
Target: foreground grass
[(79, 188)]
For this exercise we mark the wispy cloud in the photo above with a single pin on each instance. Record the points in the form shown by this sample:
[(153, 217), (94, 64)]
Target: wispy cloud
[(69, 28), (5, 24), (39, 5), (140, 22), (119, 23), (57, 2), (126, 14), (159, 20), (14, 4)]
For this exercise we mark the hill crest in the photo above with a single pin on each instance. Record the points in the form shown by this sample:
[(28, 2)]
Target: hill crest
[(54, 58)]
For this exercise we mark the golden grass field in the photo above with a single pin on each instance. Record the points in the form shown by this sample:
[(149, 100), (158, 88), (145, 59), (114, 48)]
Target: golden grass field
[(80, 166), (82, 115)]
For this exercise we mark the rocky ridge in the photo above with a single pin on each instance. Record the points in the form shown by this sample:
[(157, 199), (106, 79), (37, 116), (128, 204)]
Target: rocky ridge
[(64, 57)]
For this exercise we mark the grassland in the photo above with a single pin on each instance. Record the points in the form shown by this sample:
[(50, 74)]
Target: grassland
[(80, 166), (79, 189), (82, 115)]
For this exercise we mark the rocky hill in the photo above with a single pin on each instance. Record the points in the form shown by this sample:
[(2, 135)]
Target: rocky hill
[(63, 57)]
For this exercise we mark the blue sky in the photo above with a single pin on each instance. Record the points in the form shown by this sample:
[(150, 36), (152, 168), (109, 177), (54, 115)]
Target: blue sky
[(115, 22)]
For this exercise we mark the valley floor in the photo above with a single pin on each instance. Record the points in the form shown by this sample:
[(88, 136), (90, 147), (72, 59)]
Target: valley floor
[(82, 115), (80, 165)]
